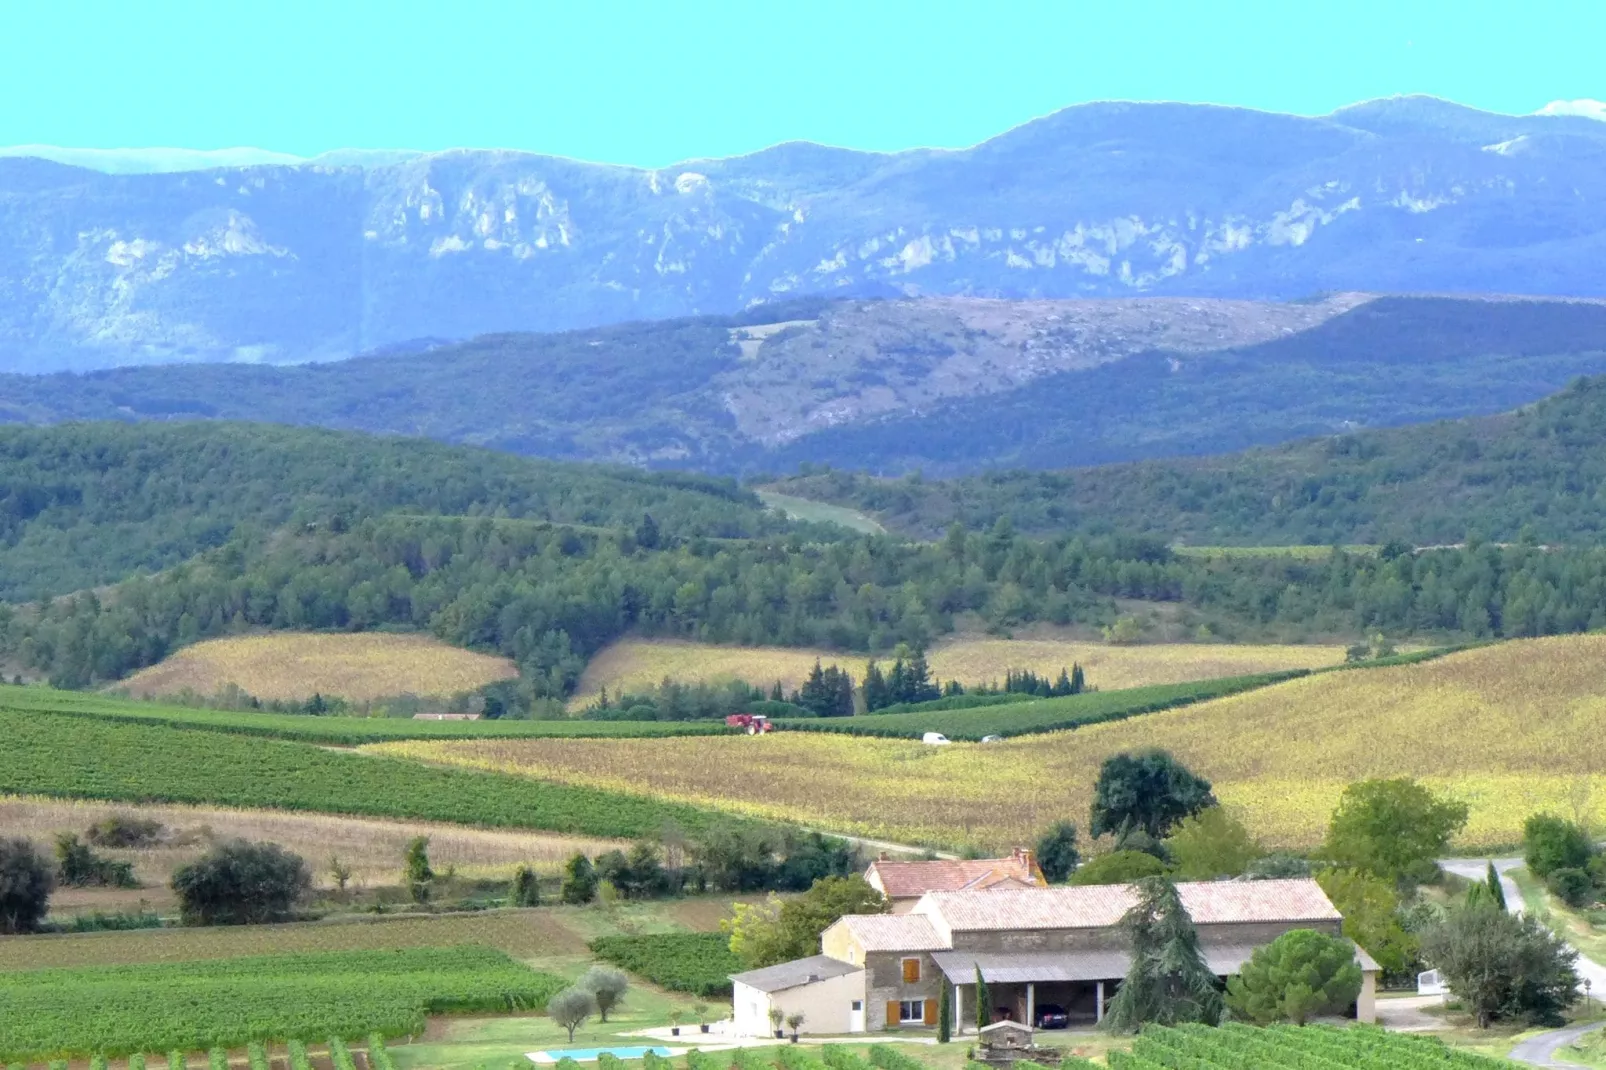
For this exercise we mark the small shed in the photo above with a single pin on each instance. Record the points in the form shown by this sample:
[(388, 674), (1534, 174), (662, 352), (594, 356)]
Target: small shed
[(827, 992)]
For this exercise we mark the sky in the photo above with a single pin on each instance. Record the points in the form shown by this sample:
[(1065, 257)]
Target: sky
[(653, 82)]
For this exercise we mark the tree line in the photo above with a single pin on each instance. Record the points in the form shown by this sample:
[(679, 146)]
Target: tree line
[(551, 596)]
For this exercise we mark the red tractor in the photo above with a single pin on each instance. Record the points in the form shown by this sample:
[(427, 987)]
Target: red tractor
[(755, 723)]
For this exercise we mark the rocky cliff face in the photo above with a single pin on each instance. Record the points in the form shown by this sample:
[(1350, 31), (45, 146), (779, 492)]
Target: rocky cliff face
[(323, 260)]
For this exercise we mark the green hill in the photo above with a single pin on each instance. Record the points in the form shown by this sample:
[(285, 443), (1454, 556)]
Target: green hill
[(1538, 472), (87, 504)]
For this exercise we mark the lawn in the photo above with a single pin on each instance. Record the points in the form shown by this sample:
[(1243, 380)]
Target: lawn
[(1511, 728)]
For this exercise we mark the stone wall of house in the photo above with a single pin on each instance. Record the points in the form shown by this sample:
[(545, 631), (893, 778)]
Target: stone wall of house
[(884, 984)]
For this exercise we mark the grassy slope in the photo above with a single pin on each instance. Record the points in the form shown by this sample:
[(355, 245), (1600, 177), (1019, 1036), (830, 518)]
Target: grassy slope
[(296, 665), (1511, 729)]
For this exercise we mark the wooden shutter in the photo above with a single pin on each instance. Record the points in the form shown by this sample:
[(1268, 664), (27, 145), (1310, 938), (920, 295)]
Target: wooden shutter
[(893, 1012), (931, 1012), (911, 971)]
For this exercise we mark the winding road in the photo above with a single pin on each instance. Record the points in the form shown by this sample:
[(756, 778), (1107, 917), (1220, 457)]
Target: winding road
[(1541, 1048)]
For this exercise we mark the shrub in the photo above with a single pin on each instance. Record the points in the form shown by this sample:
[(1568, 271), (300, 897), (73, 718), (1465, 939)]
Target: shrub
[(26, 881), (1572, 886), (1550, 843), (124, 831), (525, 891), (77, 866), (240, 883)]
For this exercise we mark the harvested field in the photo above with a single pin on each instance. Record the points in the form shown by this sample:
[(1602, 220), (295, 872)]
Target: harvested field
[(636, 663), (372, 848), (293, 666), (1511, 729)]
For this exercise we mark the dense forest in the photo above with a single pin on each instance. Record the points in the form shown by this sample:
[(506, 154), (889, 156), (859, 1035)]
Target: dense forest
[(87, 504), (550, 596), (1538, 473)]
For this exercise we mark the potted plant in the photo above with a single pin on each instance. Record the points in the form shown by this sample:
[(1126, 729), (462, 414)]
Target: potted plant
[(674, 1022), (701, 1011), (793, 1022), (776, 1014)]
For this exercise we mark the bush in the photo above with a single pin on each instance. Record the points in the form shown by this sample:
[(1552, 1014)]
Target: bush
[(1572, 886), (1119, 867), (26, 881), (79, 867), (239, 883), (1278, 866), (1550, 843), (1300, 974), (124, 831)]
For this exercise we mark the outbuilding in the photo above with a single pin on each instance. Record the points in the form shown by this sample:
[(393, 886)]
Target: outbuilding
[(827, 992)]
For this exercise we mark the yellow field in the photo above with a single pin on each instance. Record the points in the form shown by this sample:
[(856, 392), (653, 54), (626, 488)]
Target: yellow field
[(636, 663), (295, 665), (1510, 729)]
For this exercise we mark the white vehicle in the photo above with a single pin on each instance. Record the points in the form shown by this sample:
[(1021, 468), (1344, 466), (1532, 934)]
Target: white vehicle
[(935, 739), (992, 739)]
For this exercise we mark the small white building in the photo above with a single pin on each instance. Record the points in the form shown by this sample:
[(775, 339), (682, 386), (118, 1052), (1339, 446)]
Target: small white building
[(827, 992)]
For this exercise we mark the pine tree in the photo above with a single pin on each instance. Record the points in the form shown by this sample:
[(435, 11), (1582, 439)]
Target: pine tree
[(897, 683), (1078, 680), (1168, 982), (917, 680), (1062, 686), (776, 694)]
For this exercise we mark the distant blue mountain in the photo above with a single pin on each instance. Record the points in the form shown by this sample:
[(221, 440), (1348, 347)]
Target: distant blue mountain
[(355, 252)]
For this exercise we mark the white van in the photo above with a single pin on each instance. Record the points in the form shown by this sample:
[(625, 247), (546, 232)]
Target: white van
[(936, 739)]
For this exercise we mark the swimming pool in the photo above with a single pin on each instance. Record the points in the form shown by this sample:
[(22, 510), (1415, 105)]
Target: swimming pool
[(589, 1055)]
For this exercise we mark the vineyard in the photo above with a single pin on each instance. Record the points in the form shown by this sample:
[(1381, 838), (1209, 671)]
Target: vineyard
[(51, 1014), (699, 963), (1044, 715), (1312, 1047), (348, 731), (75, 757)]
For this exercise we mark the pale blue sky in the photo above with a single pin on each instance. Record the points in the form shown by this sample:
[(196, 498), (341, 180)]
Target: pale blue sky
[(650, 83)]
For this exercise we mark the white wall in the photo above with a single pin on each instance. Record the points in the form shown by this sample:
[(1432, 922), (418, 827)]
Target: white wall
[(826, 1006)]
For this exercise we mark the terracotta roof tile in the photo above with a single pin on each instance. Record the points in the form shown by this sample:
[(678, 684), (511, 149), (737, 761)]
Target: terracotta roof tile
[(893, 932), (901, 880), (1099, 906)]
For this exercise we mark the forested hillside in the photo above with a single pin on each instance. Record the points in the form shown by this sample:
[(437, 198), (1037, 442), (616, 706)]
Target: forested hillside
[(88, 504), (551, 596), (1537, 473)]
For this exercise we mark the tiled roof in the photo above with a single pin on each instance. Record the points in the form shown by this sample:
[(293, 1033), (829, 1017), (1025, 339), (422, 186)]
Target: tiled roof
[(901, 880), (894, 932), (1100, 906), (795, 973)]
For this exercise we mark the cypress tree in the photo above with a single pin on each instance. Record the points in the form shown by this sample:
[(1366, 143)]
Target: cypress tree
[(984, 1014), (876, 695), (945, 1014), (1497, 893), (1078, 680)]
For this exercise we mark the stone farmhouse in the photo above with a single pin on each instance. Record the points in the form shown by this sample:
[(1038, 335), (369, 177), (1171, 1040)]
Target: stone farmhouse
[(1033, 946)]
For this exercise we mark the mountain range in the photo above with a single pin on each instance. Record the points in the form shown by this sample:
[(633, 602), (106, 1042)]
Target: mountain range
[(942, 385), (302, 261)]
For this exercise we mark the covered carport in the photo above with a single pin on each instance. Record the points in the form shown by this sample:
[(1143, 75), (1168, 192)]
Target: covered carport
[(1019, 982)]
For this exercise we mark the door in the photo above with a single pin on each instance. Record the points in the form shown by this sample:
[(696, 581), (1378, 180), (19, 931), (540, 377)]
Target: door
[(856, 1017)]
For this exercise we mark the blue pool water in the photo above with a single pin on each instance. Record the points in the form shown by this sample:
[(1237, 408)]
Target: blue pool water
[(585, 1055)]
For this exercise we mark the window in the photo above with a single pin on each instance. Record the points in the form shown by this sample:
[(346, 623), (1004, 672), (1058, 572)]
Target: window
[(912, 1010), (911, 971), (858, 1004)]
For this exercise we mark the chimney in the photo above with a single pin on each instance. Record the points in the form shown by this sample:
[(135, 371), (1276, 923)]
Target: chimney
[(885, 857)]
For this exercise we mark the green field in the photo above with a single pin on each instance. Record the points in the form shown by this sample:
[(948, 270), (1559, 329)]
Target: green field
[(348, 731), (85, 758), (47, 1014), (806, 509), (1232, 1047), (699, 963), (1042, 715)]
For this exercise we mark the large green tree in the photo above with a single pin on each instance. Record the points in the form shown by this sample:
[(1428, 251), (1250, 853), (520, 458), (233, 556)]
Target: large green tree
[(1550, 843), (1392, 829), (1169, 981), (240, 883), (1150, 791), (1300, 974), (26, 881), (1372, 919), (1057, 855), (779, 931), (1211, 844), (1502, 965)]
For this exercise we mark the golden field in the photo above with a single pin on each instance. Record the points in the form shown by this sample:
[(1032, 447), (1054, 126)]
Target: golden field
[(637, 663), (1511, 729), (293, 666), (371, 847)]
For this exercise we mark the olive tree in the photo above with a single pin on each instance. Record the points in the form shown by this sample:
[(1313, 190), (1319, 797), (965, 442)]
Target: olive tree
[(607, 985), (26, 881), (570, 1008)]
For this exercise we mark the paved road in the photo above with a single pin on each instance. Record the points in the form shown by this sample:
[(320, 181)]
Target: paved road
[(1540, 1049)]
